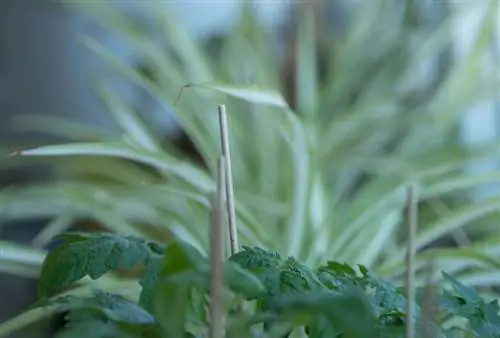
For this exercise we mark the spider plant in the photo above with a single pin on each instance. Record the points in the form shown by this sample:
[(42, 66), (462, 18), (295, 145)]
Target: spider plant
[(319, 171)]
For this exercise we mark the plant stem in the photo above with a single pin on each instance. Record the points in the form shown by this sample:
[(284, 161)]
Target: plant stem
[(412, 209), (216, 267), (233, 234)]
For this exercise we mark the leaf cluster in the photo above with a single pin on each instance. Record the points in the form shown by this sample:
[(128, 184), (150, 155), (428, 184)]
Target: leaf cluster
[(265, 295)]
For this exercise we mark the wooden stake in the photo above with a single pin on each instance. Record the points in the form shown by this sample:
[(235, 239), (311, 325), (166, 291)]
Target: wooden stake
[(429, 304), (412, 210), (233, 233), (216, 266)]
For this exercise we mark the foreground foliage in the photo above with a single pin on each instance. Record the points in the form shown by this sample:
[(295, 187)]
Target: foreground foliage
[(280, 294)]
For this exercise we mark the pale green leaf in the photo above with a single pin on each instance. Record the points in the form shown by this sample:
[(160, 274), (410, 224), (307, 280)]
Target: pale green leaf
[(307, 81), (128, 120), (162, 161), (252, 94)]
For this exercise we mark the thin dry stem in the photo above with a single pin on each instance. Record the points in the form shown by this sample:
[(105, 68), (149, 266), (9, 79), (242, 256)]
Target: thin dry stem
[(412, 209), (233, 234), (216, 266)]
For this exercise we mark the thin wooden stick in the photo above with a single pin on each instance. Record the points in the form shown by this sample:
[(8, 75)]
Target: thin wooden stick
[(412, 209), (233, 233), (216, 266), (429, 304)]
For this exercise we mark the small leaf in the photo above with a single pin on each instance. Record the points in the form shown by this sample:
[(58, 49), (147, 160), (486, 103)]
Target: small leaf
[(170, 303), (113, 307), (297, 276), (337, 276), (181, 256), (121, 310), (339, 269), (467, 293), (256, 260), (148, 282), (91, 255)]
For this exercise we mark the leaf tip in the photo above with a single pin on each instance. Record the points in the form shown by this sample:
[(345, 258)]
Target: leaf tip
[(16, 152)]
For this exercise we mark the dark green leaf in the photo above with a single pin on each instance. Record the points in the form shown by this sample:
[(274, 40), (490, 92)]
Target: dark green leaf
[(170, 304), (350, 313), (243, 281), (113, 307), (256, 259), (467, 293), (148, 282), (81, 326), (180, 256), (277, 276), (91, 255)]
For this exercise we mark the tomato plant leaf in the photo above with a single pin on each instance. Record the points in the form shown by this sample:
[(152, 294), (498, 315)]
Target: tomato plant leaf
[(80, 323), (148, 282), (82, 255), (111, 306), (467, 293)]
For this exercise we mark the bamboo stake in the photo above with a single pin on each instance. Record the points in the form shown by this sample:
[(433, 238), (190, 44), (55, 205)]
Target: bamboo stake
[(233, 233), (429, 304), (412, 210), (216, 266)]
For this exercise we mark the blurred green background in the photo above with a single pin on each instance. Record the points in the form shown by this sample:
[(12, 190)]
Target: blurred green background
[(379, 94)]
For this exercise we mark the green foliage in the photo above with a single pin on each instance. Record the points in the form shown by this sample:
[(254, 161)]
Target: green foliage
[(90, 255), (465, 302), (80, 324), (319, 175), (113, 307), (334, 300)]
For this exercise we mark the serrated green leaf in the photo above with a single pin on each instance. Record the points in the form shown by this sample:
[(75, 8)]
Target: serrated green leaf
[(91, 255), (256, 259), (278, 277), (337, 276), (337, 269)]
